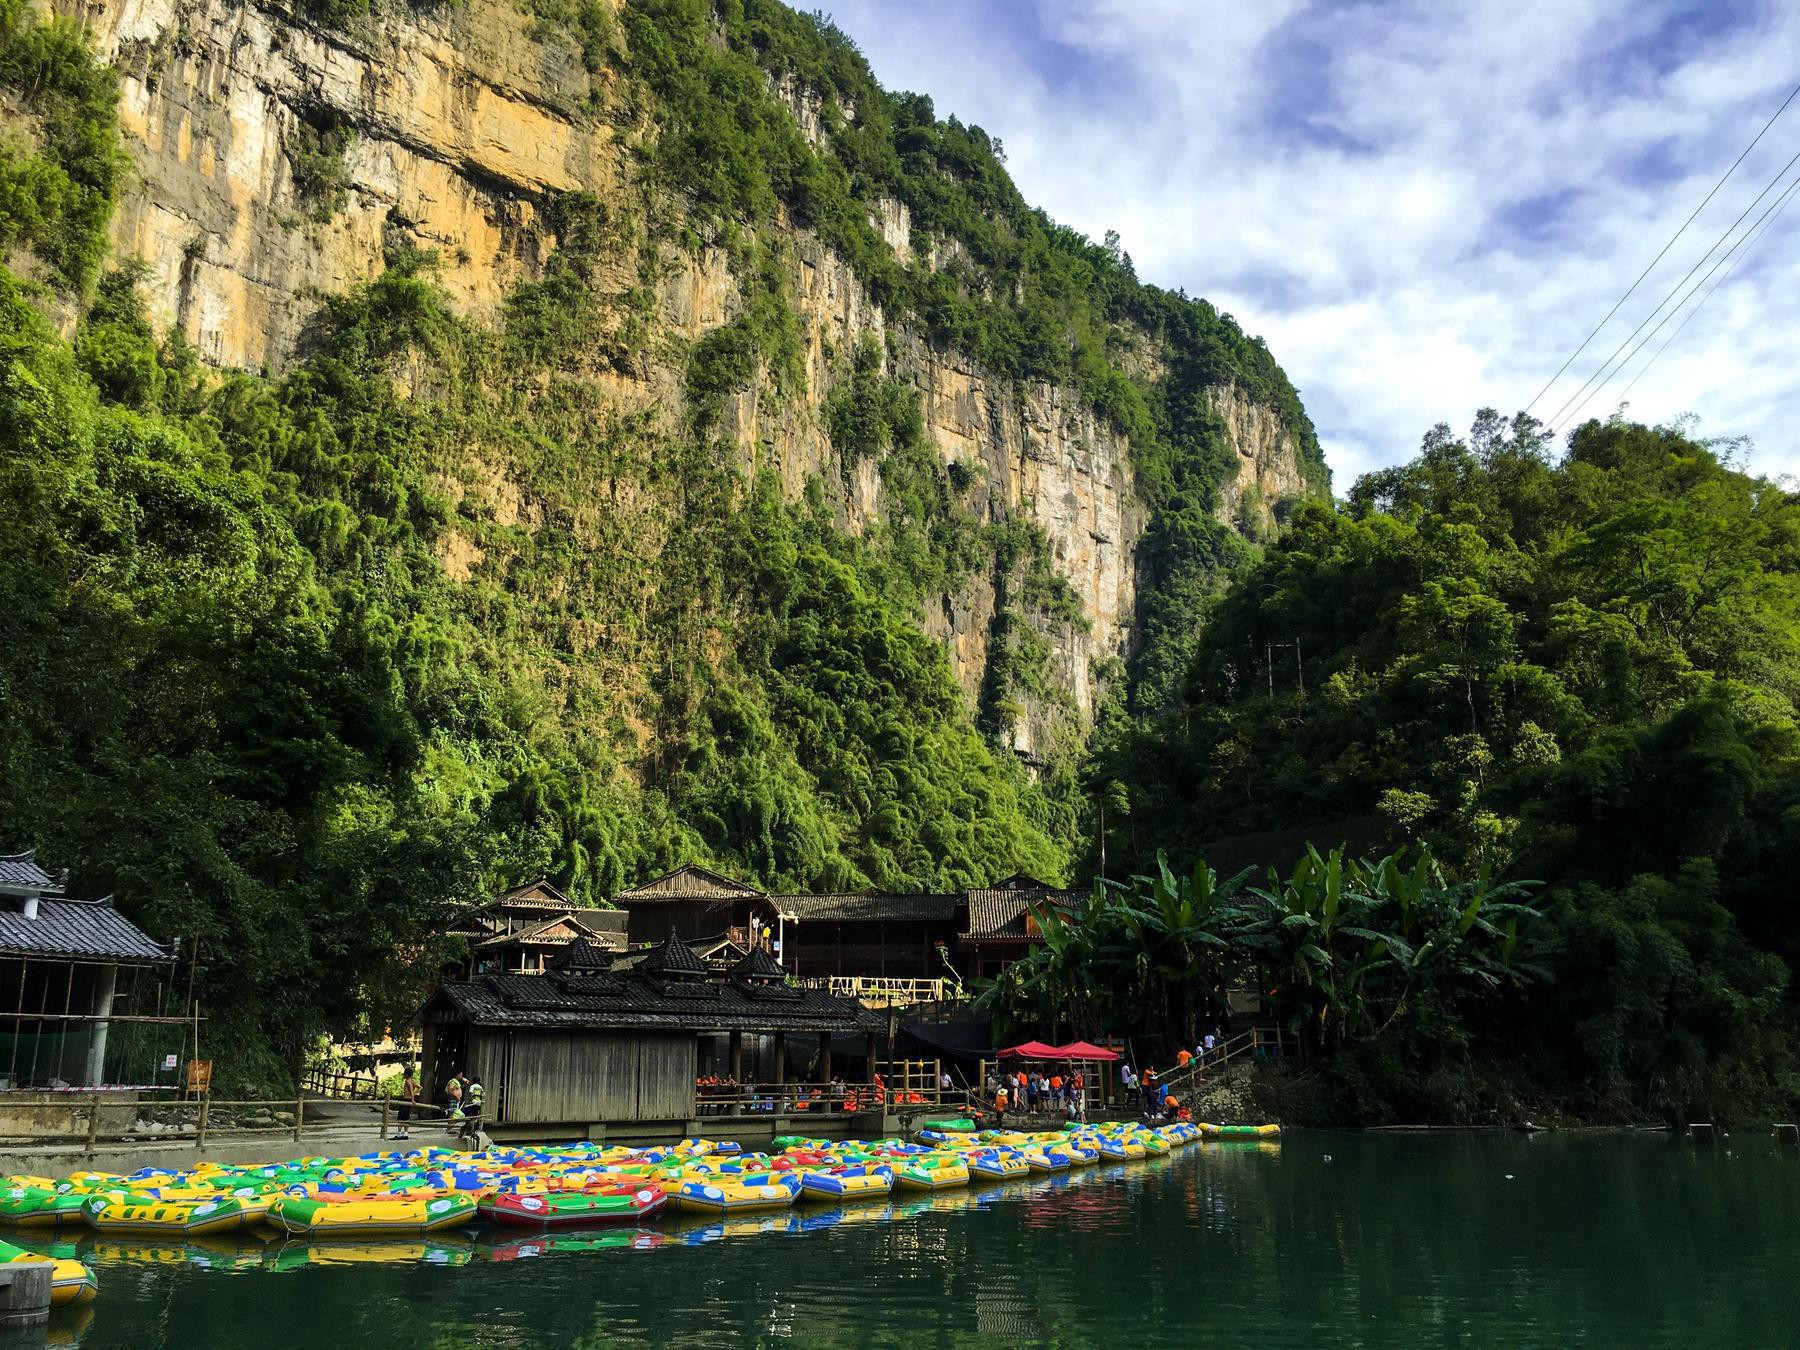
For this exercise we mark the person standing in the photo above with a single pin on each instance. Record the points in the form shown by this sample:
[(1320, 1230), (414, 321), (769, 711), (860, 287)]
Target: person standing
[(1000, 1106), (409, 1098), (1208, 1046), (472, 1095)]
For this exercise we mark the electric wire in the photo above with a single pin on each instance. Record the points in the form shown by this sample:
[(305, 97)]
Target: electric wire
[(1557, 418), (1665, 249), (1787, 197), (1767, 214)]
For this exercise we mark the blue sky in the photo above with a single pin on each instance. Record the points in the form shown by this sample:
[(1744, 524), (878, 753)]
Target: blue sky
[(1424, 207)]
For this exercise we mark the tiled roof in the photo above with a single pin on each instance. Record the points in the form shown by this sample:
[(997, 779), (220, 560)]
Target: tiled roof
[(638, 1001), (19, 871), (78, 928), (758, 965), (539, 893), (673, 957), (691, 882), (563, 928), (869, 907), (581, 954), (1000, 913)]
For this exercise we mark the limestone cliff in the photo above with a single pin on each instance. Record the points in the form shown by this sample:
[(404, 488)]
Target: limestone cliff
[(453, 130)]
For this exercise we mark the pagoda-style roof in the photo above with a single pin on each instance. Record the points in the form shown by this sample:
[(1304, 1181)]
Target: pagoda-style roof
[(553, 932), (691, 882), (539, 894), (759, 966), (80, 930), (673, 957)]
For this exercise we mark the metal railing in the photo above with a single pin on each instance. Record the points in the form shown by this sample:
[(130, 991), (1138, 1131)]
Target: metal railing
[(1255, 1041), (821, 1098)]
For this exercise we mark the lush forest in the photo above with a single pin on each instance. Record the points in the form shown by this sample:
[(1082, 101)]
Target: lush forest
[(1576, 666)]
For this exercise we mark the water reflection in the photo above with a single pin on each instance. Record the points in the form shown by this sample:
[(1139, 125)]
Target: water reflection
[(1397, 1241)]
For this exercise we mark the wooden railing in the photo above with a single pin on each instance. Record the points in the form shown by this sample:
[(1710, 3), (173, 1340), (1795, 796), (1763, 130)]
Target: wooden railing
[(881, 988), (341, 1084)]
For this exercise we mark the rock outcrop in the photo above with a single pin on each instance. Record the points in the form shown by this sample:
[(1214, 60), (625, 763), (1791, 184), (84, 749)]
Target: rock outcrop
[(452, 131)]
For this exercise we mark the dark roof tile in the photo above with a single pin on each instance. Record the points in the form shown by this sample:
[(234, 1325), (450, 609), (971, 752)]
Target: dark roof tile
[(870, 907), (20, 871), (78, 928)]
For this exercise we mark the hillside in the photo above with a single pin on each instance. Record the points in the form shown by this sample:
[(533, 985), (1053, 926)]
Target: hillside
[(452, 443)]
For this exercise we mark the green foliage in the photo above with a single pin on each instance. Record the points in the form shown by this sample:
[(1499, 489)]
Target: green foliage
[(1584, 670), (1346, 952), (60, 163), (321, 178)]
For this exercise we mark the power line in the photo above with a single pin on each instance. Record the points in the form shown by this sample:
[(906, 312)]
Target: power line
[(1767, 215), (1556, 418), (1781, 206), (1659, 257)]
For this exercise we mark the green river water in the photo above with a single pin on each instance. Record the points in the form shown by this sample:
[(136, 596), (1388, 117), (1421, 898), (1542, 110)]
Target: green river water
[(1325, 1240)]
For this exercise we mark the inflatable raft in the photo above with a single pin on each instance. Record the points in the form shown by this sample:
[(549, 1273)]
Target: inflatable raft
[(719, 1196), (936, 1173), (71, 1283), (574, 1209), (123, 1212), (846, 1183), (1238, 1131), (378, 1215)]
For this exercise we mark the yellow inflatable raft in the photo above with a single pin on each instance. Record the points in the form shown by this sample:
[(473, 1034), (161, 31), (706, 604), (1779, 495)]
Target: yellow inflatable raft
[(121, 1212), (934, 1173), (324, 1218), (723, 1195), (71, 1283)]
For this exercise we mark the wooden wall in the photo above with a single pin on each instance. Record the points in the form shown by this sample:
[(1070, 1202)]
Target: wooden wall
[(555, 1076)]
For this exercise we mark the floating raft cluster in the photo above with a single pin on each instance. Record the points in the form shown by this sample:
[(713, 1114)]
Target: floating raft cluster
[(422, 1193)]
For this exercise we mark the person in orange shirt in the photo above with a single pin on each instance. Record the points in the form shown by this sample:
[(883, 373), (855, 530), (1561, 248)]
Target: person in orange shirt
[(1182, 1058), (1056, 1088), (1000, 1106)]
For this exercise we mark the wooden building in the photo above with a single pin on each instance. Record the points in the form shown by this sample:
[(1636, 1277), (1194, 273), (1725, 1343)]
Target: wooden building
[(695, 903), (876, 936), (66, 1017), (585, 1046), (519, 931), (1001, 924)]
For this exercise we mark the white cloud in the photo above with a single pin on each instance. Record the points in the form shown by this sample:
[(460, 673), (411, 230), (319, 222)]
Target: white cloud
[(1366, 185)]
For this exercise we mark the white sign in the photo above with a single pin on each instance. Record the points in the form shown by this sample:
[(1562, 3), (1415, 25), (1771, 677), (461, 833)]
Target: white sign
[(169, 1061)]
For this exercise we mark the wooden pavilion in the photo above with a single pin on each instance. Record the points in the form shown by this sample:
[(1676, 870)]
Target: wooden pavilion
[(585, 1047)]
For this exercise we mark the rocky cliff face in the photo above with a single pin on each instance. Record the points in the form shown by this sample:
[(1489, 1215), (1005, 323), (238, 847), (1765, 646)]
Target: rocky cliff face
[(452, 132)]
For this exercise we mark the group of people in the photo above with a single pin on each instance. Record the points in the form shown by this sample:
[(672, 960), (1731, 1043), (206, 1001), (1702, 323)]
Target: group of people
[(1209, 1049), (1034, 1092)]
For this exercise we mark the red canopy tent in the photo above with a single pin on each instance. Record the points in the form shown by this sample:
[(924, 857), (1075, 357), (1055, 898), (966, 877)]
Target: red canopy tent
[(1030, 1050), (1084, 1050), (1074, 1050)]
